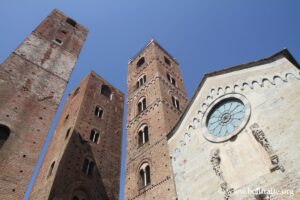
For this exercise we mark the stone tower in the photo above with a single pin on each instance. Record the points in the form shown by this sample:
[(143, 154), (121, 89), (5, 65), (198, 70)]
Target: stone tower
[(156, 99), (32, 82), (83, 158)]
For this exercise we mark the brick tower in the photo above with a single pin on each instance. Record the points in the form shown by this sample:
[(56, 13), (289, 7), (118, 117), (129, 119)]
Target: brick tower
[(156, 99), (32, 82), (83, 158)]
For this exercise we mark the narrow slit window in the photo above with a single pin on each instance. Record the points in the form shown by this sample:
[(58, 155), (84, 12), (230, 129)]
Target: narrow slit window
[(51, 169)]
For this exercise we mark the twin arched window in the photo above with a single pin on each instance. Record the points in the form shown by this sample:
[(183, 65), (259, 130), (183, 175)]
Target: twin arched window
[(141, 81), (144, 175), (143, 135), (88, 166), (94, 136), (175, 102), (99, 112), (4, 134), (142, 105)]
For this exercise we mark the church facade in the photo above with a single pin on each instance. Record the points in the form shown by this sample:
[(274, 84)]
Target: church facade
[(239, 136)]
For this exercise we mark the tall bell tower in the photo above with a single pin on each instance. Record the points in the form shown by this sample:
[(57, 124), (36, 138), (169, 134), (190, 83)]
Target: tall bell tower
[(155, 101), (32, 81)]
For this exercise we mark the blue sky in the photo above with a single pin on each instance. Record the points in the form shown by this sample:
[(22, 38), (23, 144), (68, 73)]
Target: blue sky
[(204, 36)]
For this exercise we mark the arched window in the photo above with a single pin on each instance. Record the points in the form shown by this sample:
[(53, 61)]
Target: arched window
[(175, 102), (140, 62), (144, 174), (4, 134), (106, 91), (141, 81), (88, 166), (72, 22), (80, 195), (142, 105), (171, 79), (51, 169), (143, 135), (94, 136), (99, 112)]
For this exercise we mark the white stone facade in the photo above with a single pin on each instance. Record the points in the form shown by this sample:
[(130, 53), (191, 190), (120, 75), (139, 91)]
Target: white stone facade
[(263, 155)]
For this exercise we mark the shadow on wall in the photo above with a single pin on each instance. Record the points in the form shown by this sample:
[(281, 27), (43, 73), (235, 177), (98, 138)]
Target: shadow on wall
[(78, 176)]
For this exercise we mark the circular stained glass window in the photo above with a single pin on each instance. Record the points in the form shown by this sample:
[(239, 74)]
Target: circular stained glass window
[(226, 117)]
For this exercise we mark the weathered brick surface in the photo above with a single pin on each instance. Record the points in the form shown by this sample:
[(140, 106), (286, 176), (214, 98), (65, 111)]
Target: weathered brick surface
[(69, 152), (160, 116), (32, 82)]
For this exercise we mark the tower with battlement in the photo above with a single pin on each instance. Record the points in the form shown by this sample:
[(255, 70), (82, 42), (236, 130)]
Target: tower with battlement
[(156, 99)]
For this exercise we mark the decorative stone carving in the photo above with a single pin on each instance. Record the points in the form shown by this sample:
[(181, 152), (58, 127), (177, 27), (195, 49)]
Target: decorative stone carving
[(261, 138), (215, 160)]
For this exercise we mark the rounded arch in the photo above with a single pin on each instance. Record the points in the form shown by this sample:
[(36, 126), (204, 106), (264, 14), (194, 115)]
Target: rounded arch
[(141, 105), (106, 91), (140, 62), (4, 134), (144, 175)]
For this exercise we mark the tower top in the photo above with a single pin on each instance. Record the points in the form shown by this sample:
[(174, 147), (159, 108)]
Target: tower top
[(152, 41)]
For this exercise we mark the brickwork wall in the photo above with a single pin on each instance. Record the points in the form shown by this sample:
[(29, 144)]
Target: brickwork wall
[(32, 82), (160, 116), (69, 152)]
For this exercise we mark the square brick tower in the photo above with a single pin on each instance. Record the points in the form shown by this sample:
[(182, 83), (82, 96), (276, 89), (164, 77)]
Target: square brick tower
[(156, 99), (32, 82), (83, 158)]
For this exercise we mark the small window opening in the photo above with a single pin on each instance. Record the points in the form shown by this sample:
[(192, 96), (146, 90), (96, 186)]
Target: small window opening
[(68, 133), (51, 169), (58, 41), (4, 134), (99, 112), (67, 117), (142, 105), (94, 136), (88, 166), (106, 91), (143, 135), (167, 61), (64, 32), (71, 22), (140, 62), (175, 102), (144, 175)]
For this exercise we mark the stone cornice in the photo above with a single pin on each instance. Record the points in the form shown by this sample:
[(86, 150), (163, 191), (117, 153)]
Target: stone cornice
[(136, 94), (145, 150), (149, 108), (142, 192)]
